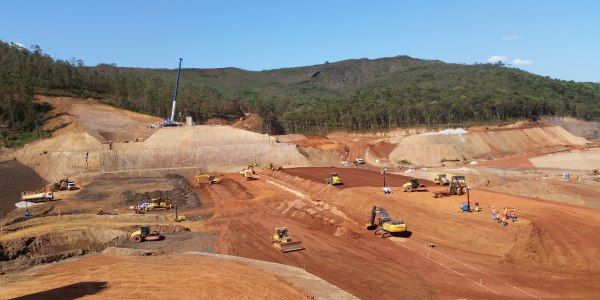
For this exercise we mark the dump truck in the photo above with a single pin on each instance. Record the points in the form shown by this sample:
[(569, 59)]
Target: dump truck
[(36, 197), (334, 179), (441, 179), (157, 203), (359, 161), (413, 185), (283, 242), (383, 225), (145, 235)]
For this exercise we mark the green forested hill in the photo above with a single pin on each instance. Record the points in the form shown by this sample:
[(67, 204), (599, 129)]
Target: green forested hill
[(357, 94)]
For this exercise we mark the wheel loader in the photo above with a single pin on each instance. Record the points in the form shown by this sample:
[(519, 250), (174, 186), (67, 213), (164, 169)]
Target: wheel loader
[(384, 226), (283, 242), (441, 179), (413, 186), (334, 179), (158, 203), (145, 235)]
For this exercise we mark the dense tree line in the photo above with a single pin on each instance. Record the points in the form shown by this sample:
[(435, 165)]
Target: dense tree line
[(348, 95)]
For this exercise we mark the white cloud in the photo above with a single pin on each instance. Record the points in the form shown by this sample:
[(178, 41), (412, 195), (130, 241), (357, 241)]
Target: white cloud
[(522, 62), (512, 37), (497, 58)]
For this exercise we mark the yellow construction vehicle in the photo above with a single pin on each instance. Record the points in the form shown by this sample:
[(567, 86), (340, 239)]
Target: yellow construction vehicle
[(206, 178), (384, 226), (158, 203), (458, 185), (413, 186), (441, 179), (283, 242), (144, 234), (334, 179), (249, 173)]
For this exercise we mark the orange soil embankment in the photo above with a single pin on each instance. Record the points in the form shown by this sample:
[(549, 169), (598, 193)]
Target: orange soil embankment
[(171, 277)]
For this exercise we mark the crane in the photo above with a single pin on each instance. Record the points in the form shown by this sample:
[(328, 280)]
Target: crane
[(171, 121)]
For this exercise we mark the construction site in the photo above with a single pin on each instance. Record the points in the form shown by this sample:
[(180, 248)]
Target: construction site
[(109, 200)]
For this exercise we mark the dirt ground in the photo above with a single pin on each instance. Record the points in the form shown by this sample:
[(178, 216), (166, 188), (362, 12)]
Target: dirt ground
[(14, 179), (161, 277), (352, 177), (473, 256), (523, 260)]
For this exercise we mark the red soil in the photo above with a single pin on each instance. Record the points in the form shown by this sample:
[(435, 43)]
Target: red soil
[(352, 177)]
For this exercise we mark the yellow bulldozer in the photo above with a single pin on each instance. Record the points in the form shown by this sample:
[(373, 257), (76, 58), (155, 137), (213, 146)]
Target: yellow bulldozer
[(283, 242), (145, 235), (249, 173), (334, 179), (209, 179), (383, 225)]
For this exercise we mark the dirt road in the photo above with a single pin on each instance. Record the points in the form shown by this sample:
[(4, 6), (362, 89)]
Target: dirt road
[(352, 177)]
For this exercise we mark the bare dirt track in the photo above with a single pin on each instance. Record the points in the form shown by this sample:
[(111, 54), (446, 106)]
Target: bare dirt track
[(352, 177), (14, 179)]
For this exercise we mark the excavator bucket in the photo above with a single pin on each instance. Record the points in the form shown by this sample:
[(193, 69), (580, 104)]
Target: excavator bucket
[(289, 246)]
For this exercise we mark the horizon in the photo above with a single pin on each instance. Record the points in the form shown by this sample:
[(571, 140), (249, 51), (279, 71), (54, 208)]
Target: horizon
[(555, 44)]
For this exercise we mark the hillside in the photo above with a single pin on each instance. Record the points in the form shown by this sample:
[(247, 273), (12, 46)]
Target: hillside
[(357, 94)]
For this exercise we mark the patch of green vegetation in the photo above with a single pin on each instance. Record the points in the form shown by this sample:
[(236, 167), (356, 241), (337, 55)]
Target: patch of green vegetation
[(351, 95), (404, 162)]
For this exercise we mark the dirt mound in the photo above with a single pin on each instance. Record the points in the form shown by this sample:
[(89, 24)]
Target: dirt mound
[(48, 247), (14, 179), (584, 129), (530, 247), (228, 188), (250, 122), (142, 277), (433, 149)]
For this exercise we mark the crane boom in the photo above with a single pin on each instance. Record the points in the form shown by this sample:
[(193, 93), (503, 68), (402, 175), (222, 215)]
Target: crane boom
[(172, 119)]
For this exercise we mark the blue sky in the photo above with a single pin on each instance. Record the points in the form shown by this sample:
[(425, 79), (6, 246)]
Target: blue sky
[(560, 39)]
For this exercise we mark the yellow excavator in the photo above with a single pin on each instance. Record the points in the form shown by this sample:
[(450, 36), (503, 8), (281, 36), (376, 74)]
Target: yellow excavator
[(283, 242), (383, 225)]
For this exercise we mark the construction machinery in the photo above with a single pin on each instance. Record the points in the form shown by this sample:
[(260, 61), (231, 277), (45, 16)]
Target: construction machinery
[(157, 203), (249, 173), (334, 179), (458, 185), (206, 178), (441, 179), (383, 225), (170, 122), (359, 161), (61, 185), (274, 167), (145, 235), (36, 197), (283, 242), (413, 185)]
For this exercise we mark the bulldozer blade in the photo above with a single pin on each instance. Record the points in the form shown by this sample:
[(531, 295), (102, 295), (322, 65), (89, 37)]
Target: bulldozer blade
[(291, 246)]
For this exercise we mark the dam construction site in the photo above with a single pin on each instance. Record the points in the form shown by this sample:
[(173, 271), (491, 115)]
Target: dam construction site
[(113, 206)]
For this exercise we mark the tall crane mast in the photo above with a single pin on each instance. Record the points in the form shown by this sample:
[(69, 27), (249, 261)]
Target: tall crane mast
[(172, 119)]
